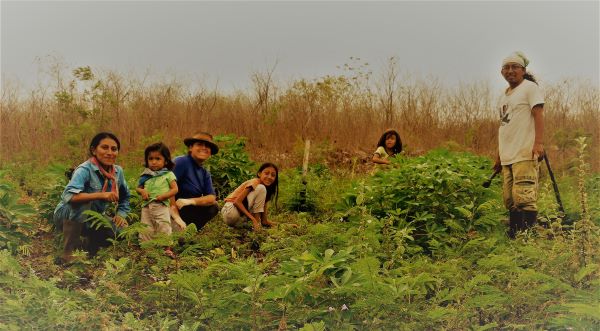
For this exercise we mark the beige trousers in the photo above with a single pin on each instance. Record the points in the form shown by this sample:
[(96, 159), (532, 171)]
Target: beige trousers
[(156, 215), (256, 204), (520, 187)]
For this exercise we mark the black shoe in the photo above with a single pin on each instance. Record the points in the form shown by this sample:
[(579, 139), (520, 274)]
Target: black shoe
[(60, 261), (529, 219), (515, 223)]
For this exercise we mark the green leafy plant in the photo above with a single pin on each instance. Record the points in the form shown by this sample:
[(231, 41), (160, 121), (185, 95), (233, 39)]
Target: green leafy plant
[(52, 191), (439, 196), (317, 193), (359, 267), (14, 227), (231, 166)]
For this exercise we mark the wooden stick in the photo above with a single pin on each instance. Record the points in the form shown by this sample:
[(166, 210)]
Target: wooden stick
[(305, 162)]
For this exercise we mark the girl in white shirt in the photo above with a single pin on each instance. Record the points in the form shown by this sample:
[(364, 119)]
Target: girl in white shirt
[(388, 145), (251, 198)]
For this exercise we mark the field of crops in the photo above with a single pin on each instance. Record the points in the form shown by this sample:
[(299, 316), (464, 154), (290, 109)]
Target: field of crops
[(419, 244)]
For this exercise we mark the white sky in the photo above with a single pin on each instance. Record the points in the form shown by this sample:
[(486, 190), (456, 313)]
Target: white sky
[(227, 41)]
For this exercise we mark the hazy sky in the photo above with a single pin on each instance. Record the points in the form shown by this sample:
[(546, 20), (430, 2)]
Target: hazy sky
[(454, 41)]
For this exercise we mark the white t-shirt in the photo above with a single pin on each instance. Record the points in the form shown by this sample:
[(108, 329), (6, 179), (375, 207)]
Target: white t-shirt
[(381, 153), (517, 127)]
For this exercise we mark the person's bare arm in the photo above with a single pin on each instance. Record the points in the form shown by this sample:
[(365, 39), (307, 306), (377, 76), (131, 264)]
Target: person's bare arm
[(85, 197), (538, 118), (379, 160), (142, 192), (497, 164), (238, 203), (175, 213), (264, 217), (174, 209), (206, 200)]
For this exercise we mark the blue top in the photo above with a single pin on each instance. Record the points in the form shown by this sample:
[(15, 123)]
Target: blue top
[(87, 178), (192, 179)]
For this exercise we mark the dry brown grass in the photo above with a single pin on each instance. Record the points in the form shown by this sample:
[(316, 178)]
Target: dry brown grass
[(340, 114)]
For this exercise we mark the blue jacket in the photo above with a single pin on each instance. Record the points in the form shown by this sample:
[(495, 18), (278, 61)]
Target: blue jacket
[(87, 178)]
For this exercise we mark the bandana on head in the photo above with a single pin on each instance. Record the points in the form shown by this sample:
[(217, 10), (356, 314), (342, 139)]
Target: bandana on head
[(112, 176), (518, 58)]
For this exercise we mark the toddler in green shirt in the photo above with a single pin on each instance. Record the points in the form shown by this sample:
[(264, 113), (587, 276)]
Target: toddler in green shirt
[(157, 185)]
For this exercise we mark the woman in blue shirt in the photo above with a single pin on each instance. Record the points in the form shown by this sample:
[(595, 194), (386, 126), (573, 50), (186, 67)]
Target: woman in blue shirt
[(196, 199), (95, 183)]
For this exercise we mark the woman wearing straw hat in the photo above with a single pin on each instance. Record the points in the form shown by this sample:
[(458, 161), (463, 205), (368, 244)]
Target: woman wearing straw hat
[(520, 142), (196, 201)]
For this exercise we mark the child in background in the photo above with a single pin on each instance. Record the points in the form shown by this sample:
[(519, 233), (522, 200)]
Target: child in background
[(250, 199), (389, 145), (157, 185)]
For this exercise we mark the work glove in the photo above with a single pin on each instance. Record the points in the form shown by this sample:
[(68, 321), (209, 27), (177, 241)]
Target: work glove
[(185, 202)]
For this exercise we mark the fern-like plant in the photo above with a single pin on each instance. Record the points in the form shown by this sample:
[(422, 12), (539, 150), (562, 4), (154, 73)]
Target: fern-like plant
[(14, 227)]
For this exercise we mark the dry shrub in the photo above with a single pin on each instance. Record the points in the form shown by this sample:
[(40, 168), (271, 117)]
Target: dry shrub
[(340, 112)]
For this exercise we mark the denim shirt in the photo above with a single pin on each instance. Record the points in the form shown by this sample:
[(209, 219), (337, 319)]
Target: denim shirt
[(87, 178)]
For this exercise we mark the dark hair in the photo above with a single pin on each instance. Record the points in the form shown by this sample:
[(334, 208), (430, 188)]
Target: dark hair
[(273, 189), (163, 150), (102, 135), (529, 76), (397, 147)]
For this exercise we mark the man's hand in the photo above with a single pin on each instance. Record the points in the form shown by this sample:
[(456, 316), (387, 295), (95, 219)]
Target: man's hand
[(497, 165), (537, 153)]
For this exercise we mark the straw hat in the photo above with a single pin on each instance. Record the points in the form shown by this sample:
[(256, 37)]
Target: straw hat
[(203, 137)]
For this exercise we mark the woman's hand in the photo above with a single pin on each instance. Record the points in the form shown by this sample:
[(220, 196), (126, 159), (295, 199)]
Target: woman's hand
[(110, 196), (120, 222), (256, 225)]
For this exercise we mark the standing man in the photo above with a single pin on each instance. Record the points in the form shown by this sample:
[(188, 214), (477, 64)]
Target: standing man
[(196, 201), (520, 142)]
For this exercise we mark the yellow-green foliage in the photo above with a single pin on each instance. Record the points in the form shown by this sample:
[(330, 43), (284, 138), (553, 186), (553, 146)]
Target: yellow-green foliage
[(361, 267)]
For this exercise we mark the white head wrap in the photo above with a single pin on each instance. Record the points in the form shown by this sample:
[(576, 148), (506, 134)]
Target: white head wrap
[(516, 57)]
